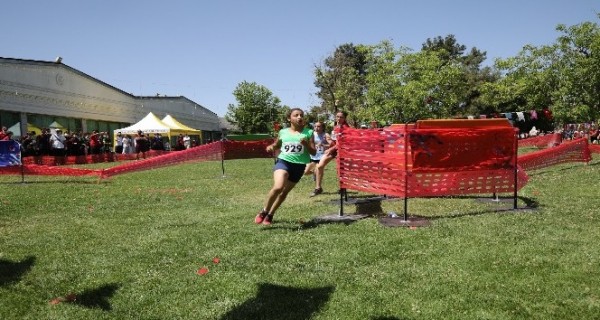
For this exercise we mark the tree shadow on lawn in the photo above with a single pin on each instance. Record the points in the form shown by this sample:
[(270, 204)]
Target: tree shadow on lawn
[(95, 298), (11, 272), (279, 302)]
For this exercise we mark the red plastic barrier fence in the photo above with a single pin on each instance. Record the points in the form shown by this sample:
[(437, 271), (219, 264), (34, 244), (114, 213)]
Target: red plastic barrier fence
[(50, 165), (541, 142), (428, 162), (246, 149), (43, 170), (569, 151), (205, 152), (377, 163)]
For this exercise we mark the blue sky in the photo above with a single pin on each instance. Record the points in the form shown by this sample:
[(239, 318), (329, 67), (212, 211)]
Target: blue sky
[(204, 49)]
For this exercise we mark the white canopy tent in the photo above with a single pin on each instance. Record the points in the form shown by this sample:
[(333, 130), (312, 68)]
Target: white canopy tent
[(16, 129)]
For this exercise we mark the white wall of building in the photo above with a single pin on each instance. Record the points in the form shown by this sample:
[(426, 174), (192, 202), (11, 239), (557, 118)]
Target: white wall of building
[(49, 88)]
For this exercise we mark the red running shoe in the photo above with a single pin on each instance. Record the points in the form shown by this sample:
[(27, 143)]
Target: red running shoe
[(260, 217), (268, 220)]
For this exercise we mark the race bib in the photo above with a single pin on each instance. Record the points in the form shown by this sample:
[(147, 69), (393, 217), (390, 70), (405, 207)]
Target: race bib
[(292, 148)]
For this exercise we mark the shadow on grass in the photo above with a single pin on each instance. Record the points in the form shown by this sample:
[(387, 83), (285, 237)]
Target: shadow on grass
[(279, 302), (530, 204), (97, 298), (11, 272), (315, 222), (541, 171)]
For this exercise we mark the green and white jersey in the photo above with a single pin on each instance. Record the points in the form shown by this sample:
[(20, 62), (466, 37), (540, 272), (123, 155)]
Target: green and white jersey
[(291, 149)]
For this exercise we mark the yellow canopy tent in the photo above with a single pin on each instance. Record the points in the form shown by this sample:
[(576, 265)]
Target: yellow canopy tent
[(172, 122), (182, 128)]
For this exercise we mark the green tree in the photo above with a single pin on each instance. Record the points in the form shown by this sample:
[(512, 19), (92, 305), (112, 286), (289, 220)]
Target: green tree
[(564, 76), (578, 96), (256, 110), (340, 80), (467, 87), (403, 86)]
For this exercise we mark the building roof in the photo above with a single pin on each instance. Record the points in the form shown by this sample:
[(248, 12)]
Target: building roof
[(58, 64)]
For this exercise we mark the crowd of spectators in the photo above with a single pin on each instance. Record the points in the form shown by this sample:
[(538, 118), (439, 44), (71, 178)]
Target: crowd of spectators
[(590, 131), (67, 143), (57, 142)]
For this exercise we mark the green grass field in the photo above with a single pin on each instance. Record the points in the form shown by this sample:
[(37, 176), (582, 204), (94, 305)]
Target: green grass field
[(131, 247)]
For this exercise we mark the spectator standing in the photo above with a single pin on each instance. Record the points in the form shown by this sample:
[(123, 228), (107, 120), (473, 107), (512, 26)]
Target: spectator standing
[(179, 144), (43, 142), (95, 143), (57, 141), (187, 141), (141, 145), (329, 153), (28, 143), (8, 135), (119, 143), (127, 142), (157, 142), (322, 142), (3, 133)]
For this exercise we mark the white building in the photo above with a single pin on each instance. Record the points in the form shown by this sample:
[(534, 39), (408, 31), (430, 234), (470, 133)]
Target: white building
[(44, 92)]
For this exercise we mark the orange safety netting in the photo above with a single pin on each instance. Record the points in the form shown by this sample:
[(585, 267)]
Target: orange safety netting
[(220, 150), (439, 162), (545, 141), (569, 151), (69, 160), (428, 162), (44, 170), (205, 152)]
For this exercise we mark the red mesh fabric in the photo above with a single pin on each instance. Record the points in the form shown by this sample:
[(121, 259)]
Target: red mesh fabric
[(545, 141), (247, 149), (86, 159), (50, 165), (440, 161), (370, 160), (568, 151), (43, 170), (462, 149), (204, 152)]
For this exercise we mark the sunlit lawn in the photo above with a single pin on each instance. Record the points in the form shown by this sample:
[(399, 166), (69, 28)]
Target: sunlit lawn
[(131, 247)]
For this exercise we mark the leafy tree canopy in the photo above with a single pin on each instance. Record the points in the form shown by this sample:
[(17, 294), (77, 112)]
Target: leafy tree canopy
[(257, 109)]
